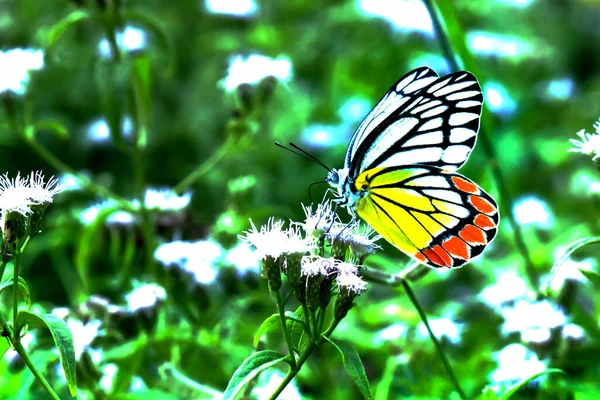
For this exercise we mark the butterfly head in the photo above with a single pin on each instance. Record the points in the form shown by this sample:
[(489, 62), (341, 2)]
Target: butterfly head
[(339, 180)]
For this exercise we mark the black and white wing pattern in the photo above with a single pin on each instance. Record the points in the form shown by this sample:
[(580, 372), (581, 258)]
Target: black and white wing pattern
[(422, 120)]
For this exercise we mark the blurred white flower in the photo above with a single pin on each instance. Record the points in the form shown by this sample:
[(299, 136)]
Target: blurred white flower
[(589, 143), (508, 286), (144, 295), (405, 16), (573, 331), (559, 89), (269, 381), (109, 371), (516, 362), (166, 200), (115, 217), (442, 327), (98, 131), (197, 258), (83, 334), (391, 333), (532, 319), (130, 39), (569, 270), (243, 259), (240, 8), (499, 99), (500, 45), (254, 68), (15, 65), (531, 210)]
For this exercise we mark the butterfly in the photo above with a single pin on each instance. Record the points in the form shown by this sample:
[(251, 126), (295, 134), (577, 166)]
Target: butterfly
[(399, 177)]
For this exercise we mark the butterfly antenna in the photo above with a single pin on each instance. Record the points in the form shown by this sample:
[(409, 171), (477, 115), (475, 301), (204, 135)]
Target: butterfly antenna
[(310, 156)]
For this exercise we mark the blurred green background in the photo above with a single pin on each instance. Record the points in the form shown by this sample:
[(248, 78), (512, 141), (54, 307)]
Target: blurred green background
[(126, 101)]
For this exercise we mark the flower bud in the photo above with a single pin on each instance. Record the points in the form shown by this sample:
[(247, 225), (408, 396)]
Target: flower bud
[(271, 271), (349, 286), (266, 88), (313, 291), (245, 94), (338, 249), (293, 269), (35, 219), (14, 226), (325, 292)]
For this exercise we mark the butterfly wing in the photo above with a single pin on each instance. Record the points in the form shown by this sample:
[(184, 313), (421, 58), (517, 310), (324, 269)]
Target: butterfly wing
[(429, 121), (439, 218)]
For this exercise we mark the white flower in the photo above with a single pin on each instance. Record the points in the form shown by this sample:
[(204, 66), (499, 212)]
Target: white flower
[(442, 327), (351, 283), (144, 296), (346, 268), (98, 131), (533, 211), (319, 221), (166, 200), (239, 8), (243, 259), (83, 334), (532, 320), (509, 286), (314, 265), (20, 193), (254, 68), (295, 243), (130, 39), (516, 362), (405, 16), (269, 241), (572, 331), (589, 143), (109, 371), (197, 258), (270, 381), (41, 192), (391, 333), (115, 217), (15, 65)]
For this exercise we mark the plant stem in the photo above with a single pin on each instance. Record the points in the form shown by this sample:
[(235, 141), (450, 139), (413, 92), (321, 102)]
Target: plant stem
[(438, 347), (23, 353), (2, 268), (302, 359), (284, 329), (306, 315), (207, 165), (15, 305)]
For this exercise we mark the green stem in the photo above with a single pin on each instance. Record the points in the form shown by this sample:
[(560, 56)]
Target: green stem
[(2, 268), (488, 147), (313, 322), (412, 273), (284, 329), (38, 375), (306, 315), (302, 359), (438, 346), (207, 165), (17, 258)]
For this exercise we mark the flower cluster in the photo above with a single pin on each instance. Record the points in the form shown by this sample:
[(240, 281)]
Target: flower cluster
[(589, 143), (314, 254), (23, 201)]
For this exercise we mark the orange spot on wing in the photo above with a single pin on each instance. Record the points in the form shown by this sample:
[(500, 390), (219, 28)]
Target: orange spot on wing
[(482, 205), (484, 222), (464, 185), (473, 235), (419, 256), (433, 258), (457, 247)]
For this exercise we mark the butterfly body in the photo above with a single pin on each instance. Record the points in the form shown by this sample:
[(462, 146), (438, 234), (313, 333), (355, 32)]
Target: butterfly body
[(399, 170)]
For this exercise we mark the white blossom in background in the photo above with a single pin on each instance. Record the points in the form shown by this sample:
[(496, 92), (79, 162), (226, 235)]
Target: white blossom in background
[(15, 65), (516, 362), (144, 295), (531, 210), (166, 200), (28, 341), (254, 68), (533, 320), (589, 143), (243, 258), (508, 286), (573, 331), (129, 39), (559, 89), (239, 8), (442, 327), (569, 270), (269, 381), (499, 99), (109, 371), (83, 334), (392, 333), (200, 259), (403, 15), (116, 217), (98, 131), (500, 45)]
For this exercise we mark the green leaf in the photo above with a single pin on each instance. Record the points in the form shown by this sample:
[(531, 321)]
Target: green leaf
[(489, 394), (53, 126), (525, 381), (297, 328), (354, 366), (141, 89), (24, 289), (151, 394), (250, 368), (61, 27), (592, 276), (62, 339), (268, 325), (572, 248)]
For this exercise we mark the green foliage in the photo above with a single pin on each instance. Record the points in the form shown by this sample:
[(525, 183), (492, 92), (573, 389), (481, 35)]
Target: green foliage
[(354, 367), (251, 367)]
